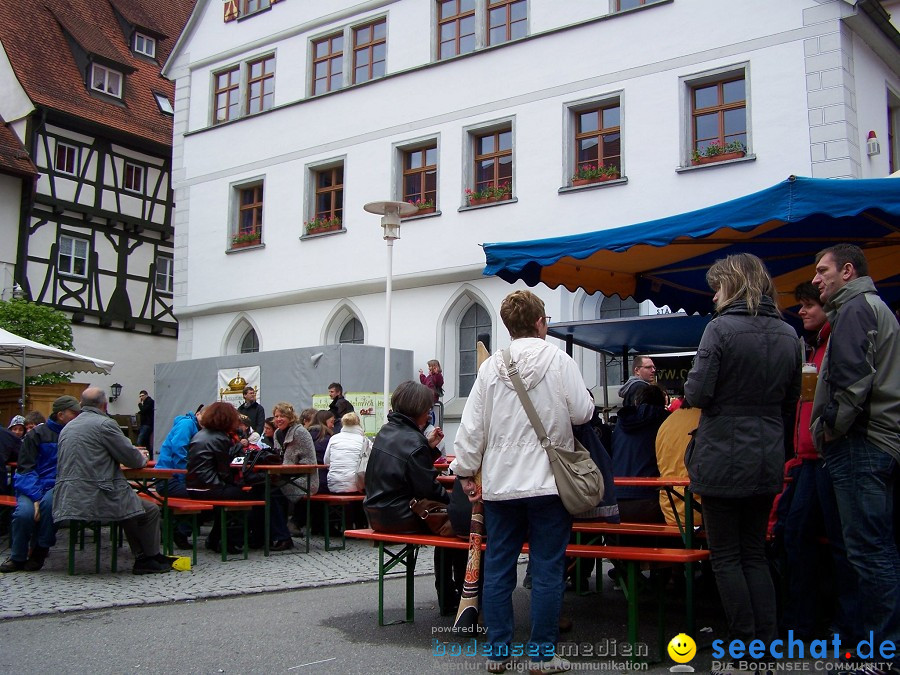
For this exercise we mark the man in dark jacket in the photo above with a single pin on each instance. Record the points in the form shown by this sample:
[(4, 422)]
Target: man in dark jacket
[(146, 407), (642, 373), (253, 410), (340, 406), (856, 427), (34, 490), (9, 452)]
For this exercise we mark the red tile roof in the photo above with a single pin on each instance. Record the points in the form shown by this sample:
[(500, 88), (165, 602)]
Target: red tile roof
[(36, 34), (13, 156)]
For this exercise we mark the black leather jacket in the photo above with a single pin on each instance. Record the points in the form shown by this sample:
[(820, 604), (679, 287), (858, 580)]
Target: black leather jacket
[(209, 460), (400, 468)]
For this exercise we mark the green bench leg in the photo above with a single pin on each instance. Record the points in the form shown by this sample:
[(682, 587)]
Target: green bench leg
[(223, 537)]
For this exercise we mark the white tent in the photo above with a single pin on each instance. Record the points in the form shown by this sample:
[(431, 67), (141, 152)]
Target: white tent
[(21, 358)]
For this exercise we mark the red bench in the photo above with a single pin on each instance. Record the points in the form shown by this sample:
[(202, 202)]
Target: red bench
[(180, 508), (329, 500), (632, 556)]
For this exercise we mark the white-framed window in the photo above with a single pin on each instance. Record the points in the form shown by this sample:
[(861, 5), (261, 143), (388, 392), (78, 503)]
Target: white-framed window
[(716, 115), (144, 44), (134, 177), (253, 6), (165, 105), (416, 172), (352, 333), (66, 159), (247, 221), (165, 274), (593, 140), (490, 166), (73, 256), (107, 80), (474, 322)]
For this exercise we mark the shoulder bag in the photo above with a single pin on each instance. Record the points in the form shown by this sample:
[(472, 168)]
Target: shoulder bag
[(578, 480)]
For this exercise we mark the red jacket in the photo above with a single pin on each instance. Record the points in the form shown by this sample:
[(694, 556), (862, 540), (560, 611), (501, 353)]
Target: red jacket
[(803, 441)]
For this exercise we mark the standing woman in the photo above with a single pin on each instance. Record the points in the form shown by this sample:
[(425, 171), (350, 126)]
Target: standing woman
[(746, 380)]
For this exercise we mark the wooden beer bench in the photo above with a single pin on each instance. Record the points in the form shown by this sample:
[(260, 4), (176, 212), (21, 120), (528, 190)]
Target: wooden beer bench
[(336, 499), (402, 551)]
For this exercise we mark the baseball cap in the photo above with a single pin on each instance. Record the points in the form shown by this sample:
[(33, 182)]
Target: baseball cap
[(66, 403)]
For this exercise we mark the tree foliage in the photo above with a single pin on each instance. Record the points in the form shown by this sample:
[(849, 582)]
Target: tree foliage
[(39, 323)]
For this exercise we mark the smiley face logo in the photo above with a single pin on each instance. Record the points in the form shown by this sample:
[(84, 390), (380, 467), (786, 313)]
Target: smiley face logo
[(682, 648)]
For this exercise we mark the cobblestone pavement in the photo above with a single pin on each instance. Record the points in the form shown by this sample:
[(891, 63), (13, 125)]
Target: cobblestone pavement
[(52, 590)]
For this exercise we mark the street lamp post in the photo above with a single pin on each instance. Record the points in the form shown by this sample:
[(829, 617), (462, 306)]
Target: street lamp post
[(390, 213)]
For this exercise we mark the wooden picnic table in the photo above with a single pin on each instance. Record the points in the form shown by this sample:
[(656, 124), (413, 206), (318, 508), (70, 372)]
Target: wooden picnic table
[(290, 472), (144, 480)]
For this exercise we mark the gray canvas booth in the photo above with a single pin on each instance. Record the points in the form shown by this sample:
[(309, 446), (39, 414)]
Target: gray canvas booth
[(291, 375)]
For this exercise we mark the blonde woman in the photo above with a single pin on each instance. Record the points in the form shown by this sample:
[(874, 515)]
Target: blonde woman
[(343, 452), (746, 381)]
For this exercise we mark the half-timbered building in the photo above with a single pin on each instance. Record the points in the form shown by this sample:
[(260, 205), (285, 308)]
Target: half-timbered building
[(81, 93)]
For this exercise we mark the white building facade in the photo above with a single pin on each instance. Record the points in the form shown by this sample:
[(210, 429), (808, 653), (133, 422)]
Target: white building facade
[(286, 115)]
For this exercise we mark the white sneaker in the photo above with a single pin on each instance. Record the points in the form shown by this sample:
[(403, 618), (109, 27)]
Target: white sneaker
[(554, 665)]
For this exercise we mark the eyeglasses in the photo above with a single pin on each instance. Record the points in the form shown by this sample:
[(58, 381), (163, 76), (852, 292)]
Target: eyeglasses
[(648, 367), (547, 319)]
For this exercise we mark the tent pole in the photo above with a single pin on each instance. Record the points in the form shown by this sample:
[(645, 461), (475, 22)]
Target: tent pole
[(22, 406), (605, 382)]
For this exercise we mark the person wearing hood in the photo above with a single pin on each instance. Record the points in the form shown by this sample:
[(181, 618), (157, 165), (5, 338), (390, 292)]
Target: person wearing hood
[(746, 381), (642, 373), (634, 454), (17, 425), (521, 500), (856, 427), (173, 454)]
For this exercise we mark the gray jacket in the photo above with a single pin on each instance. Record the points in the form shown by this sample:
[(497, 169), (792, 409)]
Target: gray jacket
[(746, 379), (298, 448), (89, 482), (859, 384)]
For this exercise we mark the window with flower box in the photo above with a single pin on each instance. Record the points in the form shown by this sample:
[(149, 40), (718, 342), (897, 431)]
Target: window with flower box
[(328, 199), (248, 225), (507, 20), (328, 64), (716, 116), (597, 142), (369, 51), (420, 168), (491, 178)]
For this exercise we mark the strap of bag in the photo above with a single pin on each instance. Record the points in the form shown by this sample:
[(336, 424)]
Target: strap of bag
[(513, 372)]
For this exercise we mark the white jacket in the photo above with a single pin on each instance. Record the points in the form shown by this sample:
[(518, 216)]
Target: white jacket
[(342, 456), (495, 433)]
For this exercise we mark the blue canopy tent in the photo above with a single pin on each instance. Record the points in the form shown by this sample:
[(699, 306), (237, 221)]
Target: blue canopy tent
[(666, 260)]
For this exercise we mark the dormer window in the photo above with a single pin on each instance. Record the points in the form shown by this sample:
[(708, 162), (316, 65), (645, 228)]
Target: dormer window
[(144, 44), (165, 105), (106, 80)]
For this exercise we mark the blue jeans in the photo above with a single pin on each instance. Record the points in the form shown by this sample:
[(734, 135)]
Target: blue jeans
[(812, 512), (546, 524), (864, 479), (736, 532), (26, 532)]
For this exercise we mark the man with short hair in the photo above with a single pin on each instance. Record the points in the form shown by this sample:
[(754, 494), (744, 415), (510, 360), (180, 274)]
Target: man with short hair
[(32, 521), (146, 407), (856, 427), (642, 374), (339, 405), (90, 485), (253, 410)]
